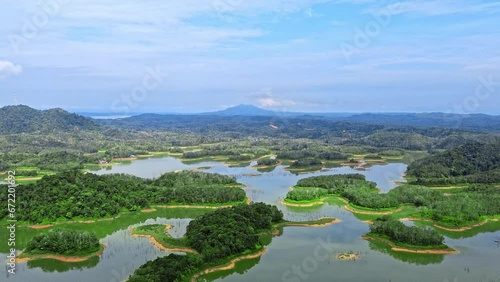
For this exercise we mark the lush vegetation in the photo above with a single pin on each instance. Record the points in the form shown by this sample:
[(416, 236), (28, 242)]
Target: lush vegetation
[(305, 163), (74, 194), (267, 162), (226, 232), (398, 232), (464, 207), (353, 187), (19, 119), (468, 163), (217, 236), (172, 268), (64, 242)]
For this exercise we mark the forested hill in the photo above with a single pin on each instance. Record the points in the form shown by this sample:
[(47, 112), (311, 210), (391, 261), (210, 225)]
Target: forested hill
[(473, 122), (471, 162), (23, 119)]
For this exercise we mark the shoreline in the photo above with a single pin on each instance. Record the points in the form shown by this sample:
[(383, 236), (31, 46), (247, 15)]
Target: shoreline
[(346, 207), (457, 229), (372, 212), (162, 247), (230, 265), (396, 248), (282, 225), (150, 210), (320, 202), (61, 258), (298, 224)]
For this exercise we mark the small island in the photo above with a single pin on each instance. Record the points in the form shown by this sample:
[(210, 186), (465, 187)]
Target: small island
[(63, 245), (348, 256), (215, 241), (407, 239)]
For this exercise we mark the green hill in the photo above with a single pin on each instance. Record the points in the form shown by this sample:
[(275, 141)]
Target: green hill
[(23, 119), (472, 162)]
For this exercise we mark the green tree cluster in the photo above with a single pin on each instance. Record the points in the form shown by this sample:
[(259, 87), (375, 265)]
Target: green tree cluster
[(172, 268), (230, 231), (64, 242), (399, 232)]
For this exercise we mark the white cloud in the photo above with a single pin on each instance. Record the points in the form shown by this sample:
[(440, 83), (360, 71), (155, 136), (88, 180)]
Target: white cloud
[(9, 68), (438, 7), (266, 100)]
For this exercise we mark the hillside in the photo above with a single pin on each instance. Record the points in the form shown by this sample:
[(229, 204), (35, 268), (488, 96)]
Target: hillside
[(471, 162), (474, 122), (23, 119)]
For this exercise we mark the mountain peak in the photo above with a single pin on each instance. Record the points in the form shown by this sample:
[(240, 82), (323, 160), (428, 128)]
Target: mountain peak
[(243, 110)]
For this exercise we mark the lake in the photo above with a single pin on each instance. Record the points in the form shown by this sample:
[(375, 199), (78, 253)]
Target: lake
[(300, 254)]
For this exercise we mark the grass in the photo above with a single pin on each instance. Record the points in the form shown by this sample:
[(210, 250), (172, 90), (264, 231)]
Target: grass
[(157, 231)]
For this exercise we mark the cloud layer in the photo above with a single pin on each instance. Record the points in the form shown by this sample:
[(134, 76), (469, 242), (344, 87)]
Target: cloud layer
[(427, 55), (9, 68)]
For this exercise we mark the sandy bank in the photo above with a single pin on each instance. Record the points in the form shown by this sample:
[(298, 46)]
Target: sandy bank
[(60, 257), (228, 266)]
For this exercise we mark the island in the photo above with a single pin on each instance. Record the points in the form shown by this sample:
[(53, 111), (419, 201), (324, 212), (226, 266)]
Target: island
[(63, 245), (214, 241), (403, 238)]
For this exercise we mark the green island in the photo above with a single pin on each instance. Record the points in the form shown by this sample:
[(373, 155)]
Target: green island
[(214, 241), (403, 238), (64, 245)]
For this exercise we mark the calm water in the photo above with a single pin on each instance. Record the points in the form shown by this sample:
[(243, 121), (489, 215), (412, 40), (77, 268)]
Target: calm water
[(300, 254)]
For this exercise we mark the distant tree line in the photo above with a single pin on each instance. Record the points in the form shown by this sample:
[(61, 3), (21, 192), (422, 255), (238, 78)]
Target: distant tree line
[(73, 194)]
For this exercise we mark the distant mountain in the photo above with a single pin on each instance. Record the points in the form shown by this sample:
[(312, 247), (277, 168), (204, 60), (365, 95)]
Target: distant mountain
[(243, 110), (23, 119), (476, 122)]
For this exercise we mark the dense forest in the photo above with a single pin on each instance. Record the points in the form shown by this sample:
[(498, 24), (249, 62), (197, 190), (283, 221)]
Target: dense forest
[(19, 119), (172, 268), (226, 232), (64, 242), (398, 232), (73, 194), (218, 235), (468, 163)]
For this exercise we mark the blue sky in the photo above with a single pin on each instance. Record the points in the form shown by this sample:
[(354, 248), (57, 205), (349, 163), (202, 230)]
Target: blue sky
[(289, 55)]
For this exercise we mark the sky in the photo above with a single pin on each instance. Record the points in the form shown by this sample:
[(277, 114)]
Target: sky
[(124, 56)]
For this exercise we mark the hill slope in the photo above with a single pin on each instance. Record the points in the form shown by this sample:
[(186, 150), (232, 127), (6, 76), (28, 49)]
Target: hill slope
[(23, 119), (471, 162)]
